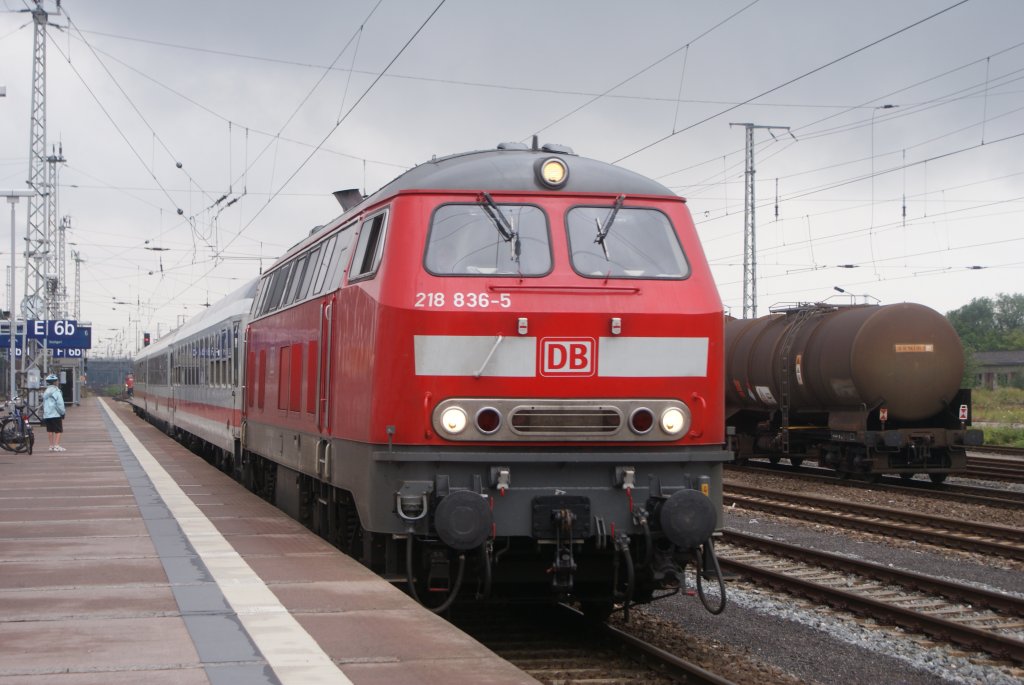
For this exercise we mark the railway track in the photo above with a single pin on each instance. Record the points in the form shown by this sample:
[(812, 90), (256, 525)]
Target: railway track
[(998, 449), (557, 645), (969, 494), (955, 613), (971, 536), (994, 468)]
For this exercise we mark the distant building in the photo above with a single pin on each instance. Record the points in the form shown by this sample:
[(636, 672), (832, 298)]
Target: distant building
[(999, 369)]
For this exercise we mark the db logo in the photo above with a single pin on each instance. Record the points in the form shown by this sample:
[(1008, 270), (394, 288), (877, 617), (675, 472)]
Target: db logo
[(567, 356)]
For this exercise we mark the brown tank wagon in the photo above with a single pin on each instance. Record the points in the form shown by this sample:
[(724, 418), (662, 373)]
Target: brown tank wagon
[(863, 389)]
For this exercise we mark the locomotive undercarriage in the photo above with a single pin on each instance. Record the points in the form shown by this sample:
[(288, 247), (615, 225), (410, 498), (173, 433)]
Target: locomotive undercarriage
[(465, 527), (562, 551)]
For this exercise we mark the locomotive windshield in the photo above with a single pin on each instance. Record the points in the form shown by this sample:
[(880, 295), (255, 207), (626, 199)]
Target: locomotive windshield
[(468, 239), (642, 244)]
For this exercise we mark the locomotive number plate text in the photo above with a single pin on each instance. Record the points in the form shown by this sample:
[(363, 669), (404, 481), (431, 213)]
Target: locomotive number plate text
[(463, 300)]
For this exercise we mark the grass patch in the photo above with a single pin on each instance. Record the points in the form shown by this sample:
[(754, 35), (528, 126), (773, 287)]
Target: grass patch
[(1003, 436), (1004, 406)]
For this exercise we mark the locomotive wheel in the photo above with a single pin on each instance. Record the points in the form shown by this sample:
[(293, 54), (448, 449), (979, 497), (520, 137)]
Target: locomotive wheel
[(938, 478)]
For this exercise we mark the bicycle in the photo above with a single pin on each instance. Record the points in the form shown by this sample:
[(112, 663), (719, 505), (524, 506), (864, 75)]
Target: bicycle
[(16, 434)]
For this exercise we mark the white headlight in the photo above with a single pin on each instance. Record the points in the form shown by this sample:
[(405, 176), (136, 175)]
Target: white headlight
[(453, 420), (673, 421)]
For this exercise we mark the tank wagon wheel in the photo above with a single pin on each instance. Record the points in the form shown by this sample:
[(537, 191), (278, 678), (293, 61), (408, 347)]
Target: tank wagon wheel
[(795, 462), (907, 476), (938, 478), (773, 460)]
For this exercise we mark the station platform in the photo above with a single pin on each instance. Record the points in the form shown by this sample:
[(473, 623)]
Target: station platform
[(128, 559)]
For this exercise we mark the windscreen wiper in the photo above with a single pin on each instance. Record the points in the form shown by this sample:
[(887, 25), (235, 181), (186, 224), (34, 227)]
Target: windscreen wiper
[(507, 232), (604, 228)]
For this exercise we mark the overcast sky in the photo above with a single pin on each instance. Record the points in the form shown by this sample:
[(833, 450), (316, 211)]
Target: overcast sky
[(276, 105)]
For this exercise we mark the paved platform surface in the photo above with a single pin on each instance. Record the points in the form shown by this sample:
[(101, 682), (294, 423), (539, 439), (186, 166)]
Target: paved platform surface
[(128, 559)]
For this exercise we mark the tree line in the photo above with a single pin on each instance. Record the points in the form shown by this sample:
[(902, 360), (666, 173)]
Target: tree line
[(989, 325)]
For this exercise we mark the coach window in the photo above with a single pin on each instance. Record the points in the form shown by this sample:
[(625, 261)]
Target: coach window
[(369, 248), (473, 239), (610, 242), (234, 356)]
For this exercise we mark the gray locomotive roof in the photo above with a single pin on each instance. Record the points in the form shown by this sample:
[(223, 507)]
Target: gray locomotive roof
[(510, 167), (503, 169)]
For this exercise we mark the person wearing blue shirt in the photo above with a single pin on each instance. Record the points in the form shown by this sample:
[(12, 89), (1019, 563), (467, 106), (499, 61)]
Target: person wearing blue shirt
[(53, 413)]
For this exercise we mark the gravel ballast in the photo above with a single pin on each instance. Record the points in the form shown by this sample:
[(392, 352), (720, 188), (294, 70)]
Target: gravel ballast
[(767, 637)]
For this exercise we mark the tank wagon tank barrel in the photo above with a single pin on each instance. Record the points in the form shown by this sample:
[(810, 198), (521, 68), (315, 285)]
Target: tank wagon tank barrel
[(864, 389)]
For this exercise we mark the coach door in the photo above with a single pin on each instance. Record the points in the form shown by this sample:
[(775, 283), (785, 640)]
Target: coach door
[(323, 393)]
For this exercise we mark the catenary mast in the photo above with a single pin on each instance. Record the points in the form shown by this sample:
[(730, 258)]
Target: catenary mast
[(750, 224), (42, 242)]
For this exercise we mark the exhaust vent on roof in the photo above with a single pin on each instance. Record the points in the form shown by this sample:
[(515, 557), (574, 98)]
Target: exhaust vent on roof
[(348, 198)]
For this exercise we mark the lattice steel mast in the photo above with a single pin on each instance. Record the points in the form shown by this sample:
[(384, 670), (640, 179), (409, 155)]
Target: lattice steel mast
[(42, 243), (749, 224)]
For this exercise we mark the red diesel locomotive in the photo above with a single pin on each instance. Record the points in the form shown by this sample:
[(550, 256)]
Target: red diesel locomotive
[(503, 370)]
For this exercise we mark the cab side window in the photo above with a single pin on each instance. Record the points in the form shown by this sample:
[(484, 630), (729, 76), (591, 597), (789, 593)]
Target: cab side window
[(370, 247)]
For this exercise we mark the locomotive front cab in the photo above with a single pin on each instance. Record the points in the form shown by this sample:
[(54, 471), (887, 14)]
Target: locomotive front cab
[(559, 356)]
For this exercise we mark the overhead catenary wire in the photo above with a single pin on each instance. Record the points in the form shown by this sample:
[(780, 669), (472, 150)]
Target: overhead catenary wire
[(994, 104), (848, 235), (907, 109), (218, 115), (138, 112), (792, 80), (333, 128), (621, 83)]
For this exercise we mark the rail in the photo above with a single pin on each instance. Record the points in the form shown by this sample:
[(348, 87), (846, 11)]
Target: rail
[(968, 494), (962, 614), (972, 536), (557, 644)]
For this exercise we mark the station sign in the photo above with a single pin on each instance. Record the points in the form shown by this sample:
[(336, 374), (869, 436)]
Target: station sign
[(55, 352), (57, 333)]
